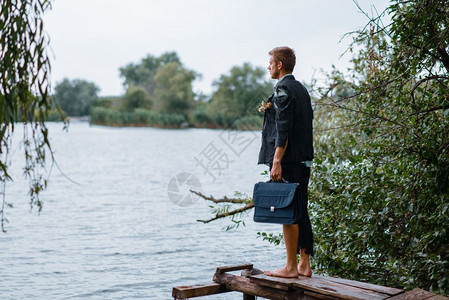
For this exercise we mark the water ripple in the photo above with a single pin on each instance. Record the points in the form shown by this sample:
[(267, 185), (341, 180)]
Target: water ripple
[(117, 235)]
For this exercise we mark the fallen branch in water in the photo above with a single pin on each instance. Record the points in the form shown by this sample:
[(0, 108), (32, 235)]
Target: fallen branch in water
[(223, 212), (223, 200), (230, 213)]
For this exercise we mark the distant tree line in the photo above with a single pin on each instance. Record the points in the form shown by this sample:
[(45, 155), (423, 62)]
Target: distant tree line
[(76, 97), (159, 93)]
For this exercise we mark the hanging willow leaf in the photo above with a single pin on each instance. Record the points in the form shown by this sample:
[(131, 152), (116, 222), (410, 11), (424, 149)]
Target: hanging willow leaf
[(24, 91)]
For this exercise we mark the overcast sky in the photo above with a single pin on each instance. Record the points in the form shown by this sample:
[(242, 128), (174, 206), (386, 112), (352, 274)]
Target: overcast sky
[(92, 39)]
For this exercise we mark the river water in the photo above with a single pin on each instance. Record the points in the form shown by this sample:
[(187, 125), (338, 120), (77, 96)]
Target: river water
[(110, 229)]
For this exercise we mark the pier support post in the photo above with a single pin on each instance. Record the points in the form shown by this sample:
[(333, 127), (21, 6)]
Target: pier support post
[(248, 297), (247, 273)]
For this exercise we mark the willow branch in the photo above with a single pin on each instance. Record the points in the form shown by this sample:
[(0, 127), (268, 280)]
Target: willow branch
[(444, 57), (367, 90), (360, 111), (358, 125), (441, 107), (223, 200), (230, 213), (442, 147), (412, 92)]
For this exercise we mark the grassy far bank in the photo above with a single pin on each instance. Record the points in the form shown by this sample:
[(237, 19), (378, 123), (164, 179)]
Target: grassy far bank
[(146, 118), (142, 118), (131, 111), (139, 117)]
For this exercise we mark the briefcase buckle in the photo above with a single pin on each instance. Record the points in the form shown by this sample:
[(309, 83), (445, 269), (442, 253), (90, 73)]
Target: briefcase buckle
[(272, 208)]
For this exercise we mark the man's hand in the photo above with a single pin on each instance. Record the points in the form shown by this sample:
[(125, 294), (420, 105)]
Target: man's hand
[(276, 171)]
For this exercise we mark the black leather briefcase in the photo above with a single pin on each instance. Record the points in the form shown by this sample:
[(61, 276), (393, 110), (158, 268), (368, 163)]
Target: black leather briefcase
[(274, 202)]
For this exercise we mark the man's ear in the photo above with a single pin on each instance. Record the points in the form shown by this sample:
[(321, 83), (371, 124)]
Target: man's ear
[(280, 65)]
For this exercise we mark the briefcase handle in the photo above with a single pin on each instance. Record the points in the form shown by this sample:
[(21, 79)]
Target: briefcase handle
[(283, 180)]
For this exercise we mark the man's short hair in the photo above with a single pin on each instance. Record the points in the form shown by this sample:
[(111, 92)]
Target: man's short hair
[(286, 55)]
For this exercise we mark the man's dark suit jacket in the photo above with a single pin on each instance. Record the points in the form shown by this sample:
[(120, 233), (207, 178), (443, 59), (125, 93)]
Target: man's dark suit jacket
[(290, 117)]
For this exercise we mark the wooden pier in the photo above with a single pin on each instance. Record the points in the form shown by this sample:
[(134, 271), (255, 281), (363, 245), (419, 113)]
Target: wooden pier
[(252, 283)]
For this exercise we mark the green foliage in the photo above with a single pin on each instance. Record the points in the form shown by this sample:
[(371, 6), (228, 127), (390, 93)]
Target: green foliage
[(238, 94), (136, 97), (143, 74), (24, 94), (107, 102), (272, 238), (55, 115), (138, 117), (75, 97), (380, 188), (251, 122), (167, 82), (200, 117), (174, 88), (168, 86)]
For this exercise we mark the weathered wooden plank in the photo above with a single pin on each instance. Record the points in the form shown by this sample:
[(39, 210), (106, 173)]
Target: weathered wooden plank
[(198, 290), (336, 289), (234, 268), (417, 294), (304, 288), (313, 295), (363, 285), (320, 286), (244, 285), (437, 297), (273, 282), (286, 283)]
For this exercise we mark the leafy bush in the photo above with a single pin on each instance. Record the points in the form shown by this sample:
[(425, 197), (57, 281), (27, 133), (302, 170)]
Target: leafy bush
[(253, 122), (238, 94), (136, 97), (380, 187), (55, 116), (139, 117), (200, 117)]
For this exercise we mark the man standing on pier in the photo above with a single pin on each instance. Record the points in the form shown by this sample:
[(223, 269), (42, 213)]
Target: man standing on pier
[(287, 148)]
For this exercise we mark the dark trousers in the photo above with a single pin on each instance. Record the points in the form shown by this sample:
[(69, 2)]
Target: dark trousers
[(299, 173)]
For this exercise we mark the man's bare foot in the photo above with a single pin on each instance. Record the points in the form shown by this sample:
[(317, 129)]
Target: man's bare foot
[(284, 272), (304, 269)]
